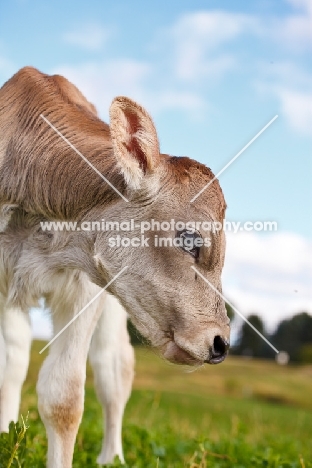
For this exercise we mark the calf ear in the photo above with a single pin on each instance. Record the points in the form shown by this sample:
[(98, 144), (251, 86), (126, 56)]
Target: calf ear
[(134, 139)]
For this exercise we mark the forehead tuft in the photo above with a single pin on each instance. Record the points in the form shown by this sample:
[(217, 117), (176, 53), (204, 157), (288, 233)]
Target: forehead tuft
[(196, 175), (187, 167)]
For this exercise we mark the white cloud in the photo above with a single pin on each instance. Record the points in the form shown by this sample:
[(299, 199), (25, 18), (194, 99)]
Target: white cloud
[(197, 50), (305, 5), (297, 108), (198, 36), (294, 31), (292, 86), (202, 40), (100, 82), (91, 37), (269, 274)]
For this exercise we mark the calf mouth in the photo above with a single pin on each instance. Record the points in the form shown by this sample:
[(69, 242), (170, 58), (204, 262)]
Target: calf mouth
[(216, 359), (177, 355)]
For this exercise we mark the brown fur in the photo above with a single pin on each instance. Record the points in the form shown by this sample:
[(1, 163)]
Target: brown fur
[(38, 169), (42, 173)]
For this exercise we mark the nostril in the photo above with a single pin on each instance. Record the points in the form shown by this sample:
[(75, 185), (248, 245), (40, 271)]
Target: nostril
[(218, 351), (220, 346)]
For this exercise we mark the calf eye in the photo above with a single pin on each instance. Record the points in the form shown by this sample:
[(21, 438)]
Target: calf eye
[(189, 241)]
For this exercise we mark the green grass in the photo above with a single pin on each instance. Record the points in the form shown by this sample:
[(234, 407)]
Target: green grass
[(239, 414)]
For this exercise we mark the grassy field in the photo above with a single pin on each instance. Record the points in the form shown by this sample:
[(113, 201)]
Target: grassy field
[(242, 413)]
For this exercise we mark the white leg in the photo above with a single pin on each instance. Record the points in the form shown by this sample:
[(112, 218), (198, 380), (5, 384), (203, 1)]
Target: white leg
[(62, 377), (2, 360), (15, 343), (112, 359)]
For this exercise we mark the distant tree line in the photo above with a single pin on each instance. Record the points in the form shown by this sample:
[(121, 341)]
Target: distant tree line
[(293, 335)]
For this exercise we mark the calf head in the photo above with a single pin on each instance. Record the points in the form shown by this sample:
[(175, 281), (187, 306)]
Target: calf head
[(168, 301)]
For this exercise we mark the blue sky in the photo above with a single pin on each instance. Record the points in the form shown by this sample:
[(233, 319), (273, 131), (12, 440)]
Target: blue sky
[(211, 74)]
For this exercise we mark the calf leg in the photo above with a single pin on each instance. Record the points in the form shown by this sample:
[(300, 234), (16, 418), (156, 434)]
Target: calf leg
[(2, 362), (112, 359), (62, 377), (15, 342)]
